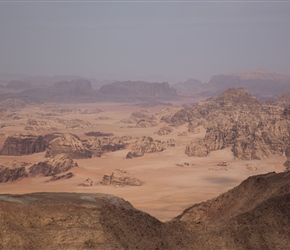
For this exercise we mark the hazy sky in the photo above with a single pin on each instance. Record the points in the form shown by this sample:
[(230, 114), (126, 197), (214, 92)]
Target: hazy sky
[(170, 40)]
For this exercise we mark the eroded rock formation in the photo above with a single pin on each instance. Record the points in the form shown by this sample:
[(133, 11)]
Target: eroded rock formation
[(144, 145), (99, 146), (67, 144), (141, 119), (12, 171), (120, 177), (24, 144), (58, 164)]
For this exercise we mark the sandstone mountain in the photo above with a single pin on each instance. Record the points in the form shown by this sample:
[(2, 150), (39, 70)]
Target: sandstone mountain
[(67, 144), (120, 178), (56, 165), (12, 171), (144, 145), (254, 215), (25, 144), (237, 120), (259, 82), (98, 145)]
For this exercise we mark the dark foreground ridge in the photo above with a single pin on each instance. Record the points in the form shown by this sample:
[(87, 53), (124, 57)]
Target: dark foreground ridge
[(254, 215)]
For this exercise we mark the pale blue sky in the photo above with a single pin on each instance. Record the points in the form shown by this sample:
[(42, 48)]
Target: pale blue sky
[(167, 41)]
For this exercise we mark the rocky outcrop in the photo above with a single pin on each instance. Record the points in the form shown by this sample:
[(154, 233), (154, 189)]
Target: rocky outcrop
[(197, 148), (236, 96), (99, 146), (24, 144), (287, 162), (12, 171), (56, 165), (141, 119), (67, 144), (121, 178), (164, 131), (61, 177), (237, 120), (87, 183), (145, 145)]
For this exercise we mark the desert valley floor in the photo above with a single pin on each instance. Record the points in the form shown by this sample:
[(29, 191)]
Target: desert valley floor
[(172, 181)]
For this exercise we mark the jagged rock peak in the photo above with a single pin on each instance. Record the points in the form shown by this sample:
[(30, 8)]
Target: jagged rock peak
[(236, 96)]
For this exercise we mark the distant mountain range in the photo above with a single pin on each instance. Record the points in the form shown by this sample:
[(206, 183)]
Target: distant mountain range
[(266, 86)]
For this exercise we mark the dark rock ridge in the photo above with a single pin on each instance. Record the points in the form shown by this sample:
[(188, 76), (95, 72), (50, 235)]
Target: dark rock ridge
[(254, 215), (25, 144), (137, 91), (93, 133), (120, 177), (61, 177), (56, 165), (12, 171)]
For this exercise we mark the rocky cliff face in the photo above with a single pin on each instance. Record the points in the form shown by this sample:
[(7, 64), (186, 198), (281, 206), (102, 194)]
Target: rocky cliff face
[(120, 178), (24, 144), (12, 171), (67, 144), (56, 165)]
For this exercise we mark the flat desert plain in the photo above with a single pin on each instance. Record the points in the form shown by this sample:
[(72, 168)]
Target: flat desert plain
[(172, 180)]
